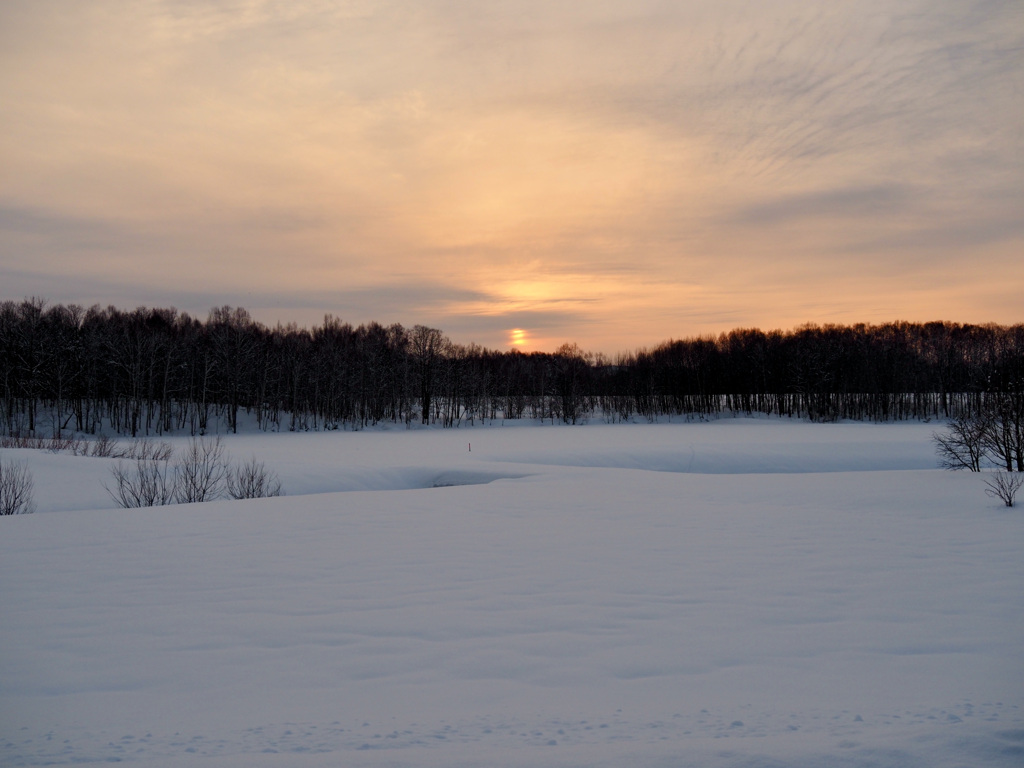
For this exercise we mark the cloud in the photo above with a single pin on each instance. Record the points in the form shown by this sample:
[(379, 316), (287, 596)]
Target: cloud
[(632, 169), (856, 202), (53, 225)]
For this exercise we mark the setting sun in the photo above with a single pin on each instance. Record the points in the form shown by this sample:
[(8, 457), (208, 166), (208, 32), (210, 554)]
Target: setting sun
[(517, 337)]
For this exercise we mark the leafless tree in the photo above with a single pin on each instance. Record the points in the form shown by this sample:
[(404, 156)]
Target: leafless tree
[(154, 371), (16, 487), (572, 369), (426, 345), (1004, 486), (963, 446), (233, 338), (1004, 435), (252, 480)]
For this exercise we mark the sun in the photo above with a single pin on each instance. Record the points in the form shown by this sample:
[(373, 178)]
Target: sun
[(517, 337)]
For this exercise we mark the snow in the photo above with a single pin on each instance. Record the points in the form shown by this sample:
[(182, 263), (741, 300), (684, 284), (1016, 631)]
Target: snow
[(740, 593)]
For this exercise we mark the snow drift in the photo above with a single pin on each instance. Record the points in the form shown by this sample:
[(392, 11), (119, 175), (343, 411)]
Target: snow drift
[(776, 594)]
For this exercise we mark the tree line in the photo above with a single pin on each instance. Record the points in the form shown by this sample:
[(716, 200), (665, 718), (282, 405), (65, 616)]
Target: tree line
[(65, 368)]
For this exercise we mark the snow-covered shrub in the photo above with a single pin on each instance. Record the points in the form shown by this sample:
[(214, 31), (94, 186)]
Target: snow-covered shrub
[(16, 487)]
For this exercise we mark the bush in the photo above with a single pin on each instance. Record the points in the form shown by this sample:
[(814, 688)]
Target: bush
[(146, 483), (103, 447), (147, 449), (16, 488), (203, 473), (200, 474), (252, 481), (1004, 486)]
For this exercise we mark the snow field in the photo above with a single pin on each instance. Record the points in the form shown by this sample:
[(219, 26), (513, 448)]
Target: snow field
[(575, 610)]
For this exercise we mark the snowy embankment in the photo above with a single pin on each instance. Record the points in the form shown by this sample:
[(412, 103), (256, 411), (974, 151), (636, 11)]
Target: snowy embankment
[(776, 594)]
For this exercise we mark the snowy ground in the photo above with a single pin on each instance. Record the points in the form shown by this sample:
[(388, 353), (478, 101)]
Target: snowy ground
[(742, 593)]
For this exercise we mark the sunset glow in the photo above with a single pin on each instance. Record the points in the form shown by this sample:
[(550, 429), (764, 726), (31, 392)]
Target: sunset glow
[(613, 174)]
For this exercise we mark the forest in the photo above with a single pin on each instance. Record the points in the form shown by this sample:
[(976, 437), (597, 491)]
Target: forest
[(69, 369)]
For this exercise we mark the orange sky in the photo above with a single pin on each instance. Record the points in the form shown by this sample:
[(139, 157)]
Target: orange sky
[(613, 173)]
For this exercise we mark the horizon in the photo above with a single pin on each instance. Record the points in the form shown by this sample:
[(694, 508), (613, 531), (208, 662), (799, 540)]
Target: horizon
[(521, 175), (205, 317)]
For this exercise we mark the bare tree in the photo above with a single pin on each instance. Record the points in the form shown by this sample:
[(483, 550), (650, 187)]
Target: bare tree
[(252, 481), (572, 368), (16, 487), (231, 332), (426, 345), (964, 446), (1004, 436), (1004, 486), (201, 471), (146, 483), (154, 371)]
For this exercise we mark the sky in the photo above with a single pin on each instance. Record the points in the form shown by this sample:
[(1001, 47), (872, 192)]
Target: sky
[(518, 173)]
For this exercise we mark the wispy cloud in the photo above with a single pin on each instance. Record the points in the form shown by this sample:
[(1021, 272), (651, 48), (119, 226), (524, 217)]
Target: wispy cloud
[(877, 201)]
